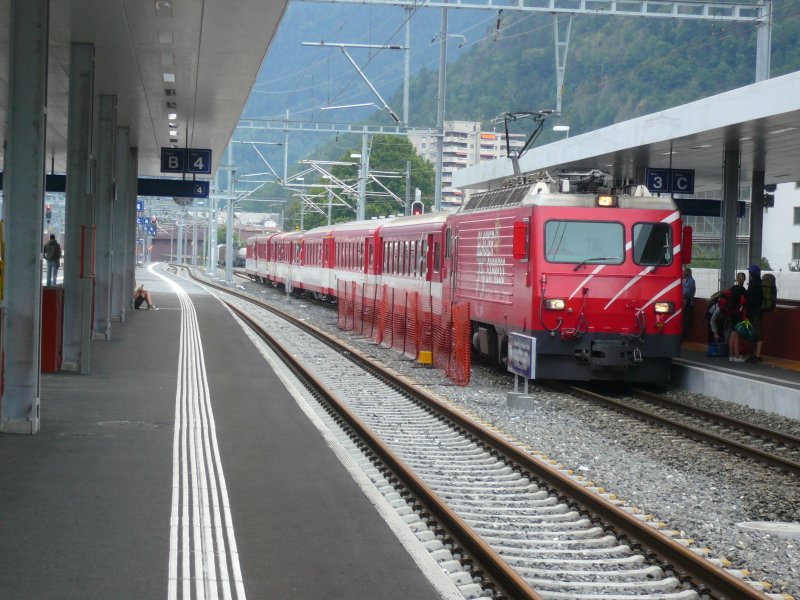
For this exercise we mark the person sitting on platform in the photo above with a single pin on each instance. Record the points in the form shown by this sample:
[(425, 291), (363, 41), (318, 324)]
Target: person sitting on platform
[(142, 295)]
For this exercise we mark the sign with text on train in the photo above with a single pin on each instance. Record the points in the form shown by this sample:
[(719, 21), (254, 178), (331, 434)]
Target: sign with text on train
[(669, 181), (139, 205), (196, 161)]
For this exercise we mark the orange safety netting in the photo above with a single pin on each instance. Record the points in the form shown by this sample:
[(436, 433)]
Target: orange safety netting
[(461, 351), (401, 320), (411, 343)]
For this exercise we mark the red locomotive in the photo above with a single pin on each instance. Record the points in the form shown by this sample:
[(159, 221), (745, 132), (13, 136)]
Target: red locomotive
[(594, 275)]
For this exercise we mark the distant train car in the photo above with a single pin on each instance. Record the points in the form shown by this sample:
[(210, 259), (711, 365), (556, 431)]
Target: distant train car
[(592, 274), (239, 257)]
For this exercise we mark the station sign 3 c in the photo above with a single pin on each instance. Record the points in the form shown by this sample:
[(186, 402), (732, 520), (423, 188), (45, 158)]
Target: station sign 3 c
[(186, 160), (670, 181)]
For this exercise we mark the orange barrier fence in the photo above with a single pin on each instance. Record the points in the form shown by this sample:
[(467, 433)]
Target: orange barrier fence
[(401, 320)]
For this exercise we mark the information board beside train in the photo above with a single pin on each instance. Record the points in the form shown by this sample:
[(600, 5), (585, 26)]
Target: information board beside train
[(522, 355)]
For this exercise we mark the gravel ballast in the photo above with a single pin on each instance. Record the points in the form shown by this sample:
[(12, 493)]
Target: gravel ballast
[(692, 487)]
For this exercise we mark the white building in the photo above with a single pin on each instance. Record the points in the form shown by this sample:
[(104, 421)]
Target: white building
[(465, 145), (781, 245)]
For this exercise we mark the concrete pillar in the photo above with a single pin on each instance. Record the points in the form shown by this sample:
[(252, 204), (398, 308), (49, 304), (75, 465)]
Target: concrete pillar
[(22, 207), (730, 197), (122, 239), (79, 209), (103, 216), (130, 226)]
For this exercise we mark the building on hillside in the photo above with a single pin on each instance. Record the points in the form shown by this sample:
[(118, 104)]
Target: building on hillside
[(465, 145)]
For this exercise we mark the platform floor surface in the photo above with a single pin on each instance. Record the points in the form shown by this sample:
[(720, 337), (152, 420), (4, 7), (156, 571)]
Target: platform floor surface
[(86, 505)]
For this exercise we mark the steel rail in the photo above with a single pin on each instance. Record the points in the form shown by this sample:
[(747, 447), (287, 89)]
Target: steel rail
[(772, 460), (507, 580), (751, 428), (700, 571)]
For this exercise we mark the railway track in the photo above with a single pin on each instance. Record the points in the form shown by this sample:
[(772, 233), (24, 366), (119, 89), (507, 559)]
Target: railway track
[(520, 526), (766, 446)]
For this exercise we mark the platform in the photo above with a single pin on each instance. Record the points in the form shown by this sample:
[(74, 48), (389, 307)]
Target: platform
[(107, 501), (772, 385)]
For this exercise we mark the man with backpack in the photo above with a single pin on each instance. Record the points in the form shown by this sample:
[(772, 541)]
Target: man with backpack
[(724, 311), (755, 300), (52, 254)]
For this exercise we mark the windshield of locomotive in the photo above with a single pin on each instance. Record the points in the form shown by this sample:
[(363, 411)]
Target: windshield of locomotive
[(652, 244), (596, 242)]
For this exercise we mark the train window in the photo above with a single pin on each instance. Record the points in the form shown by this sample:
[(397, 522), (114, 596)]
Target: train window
[(413, 260), (423, 258), (371, 247), (584, 242), (447, 242), (652, 244), (437, 250), (396, 260)]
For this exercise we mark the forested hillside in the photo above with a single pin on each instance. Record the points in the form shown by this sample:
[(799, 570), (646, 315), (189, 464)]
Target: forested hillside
[(617, 68)]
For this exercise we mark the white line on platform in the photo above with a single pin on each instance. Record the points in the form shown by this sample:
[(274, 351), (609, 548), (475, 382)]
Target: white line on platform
[(206, 542)]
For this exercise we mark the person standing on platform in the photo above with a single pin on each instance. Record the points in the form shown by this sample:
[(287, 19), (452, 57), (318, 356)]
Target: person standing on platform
[(52, 254), (689, 289), (755, 298)]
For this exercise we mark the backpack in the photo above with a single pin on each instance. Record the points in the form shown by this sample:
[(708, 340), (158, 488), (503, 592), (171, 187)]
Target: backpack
[(769, 292), (730, 303)]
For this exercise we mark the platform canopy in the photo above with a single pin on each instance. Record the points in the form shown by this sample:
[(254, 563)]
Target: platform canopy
[(762, 120), (202, 56)]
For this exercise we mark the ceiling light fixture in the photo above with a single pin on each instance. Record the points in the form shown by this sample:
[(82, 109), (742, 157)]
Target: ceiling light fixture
[(784, 130), (173, 132), (172, 116), (169, 77)]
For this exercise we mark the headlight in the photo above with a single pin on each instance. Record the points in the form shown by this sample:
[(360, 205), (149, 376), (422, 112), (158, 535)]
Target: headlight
[(607, 201), (554, 304), (664, 307)]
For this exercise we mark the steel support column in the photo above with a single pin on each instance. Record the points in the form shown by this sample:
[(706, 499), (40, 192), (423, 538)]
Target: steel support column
[(79, 208), (129, 284), (730, 198), (22, 208), (756, 218), (103, 215), (122, 239), (229, 224)]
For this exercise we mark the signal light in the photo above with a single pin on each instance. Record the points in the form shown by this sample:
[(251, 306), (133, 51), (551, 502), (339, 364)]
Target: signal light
[(417, 207), (48, 213), (153, 220)]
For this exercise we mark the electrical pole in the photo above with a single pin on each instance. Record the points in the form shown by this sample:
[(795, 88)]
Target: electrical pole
[(362, 178), (407, 65), (437, 197)]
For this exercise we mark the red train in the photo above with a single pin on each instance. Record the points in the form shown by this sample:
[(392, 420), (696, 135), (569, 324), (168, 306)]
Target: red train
[(593, 274)]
